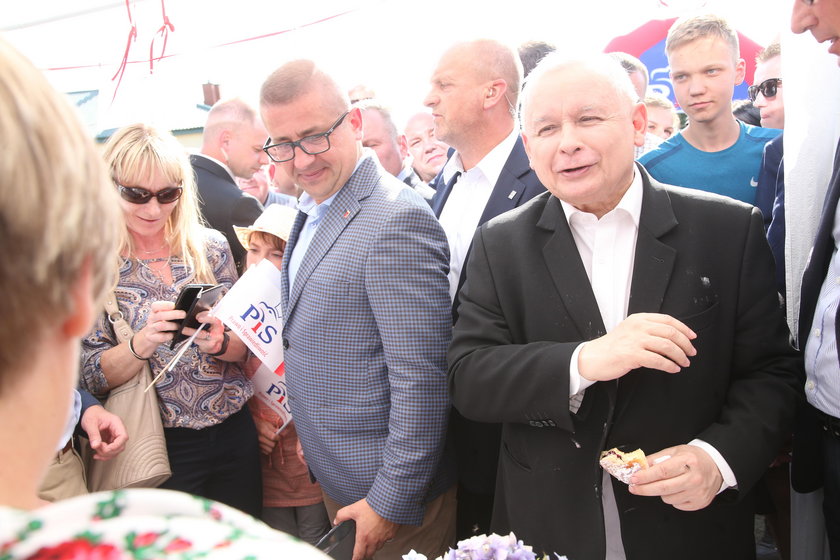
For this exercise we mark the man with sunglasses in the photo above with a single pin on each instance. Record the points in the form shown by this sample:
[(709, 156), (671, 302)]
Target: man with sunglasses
[(231, 147), (816, 442), (367, 322), (715, 152)]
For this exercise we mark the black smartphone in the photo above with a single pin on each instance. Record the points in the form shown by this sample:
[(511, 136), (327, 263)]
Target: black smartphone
[(194, 298), (336, 543)]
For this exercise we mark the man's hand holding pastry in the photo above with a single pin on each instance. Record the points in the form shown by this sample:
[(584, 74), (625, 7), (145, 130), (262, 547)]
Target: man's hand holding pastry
[(649, 340), (684, 476)]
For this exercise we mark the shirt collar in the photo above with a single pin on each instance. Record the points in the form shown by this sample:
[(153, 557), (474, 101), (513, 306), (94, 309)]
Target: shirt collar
[(630, 203), (491, 164), (222, 164)]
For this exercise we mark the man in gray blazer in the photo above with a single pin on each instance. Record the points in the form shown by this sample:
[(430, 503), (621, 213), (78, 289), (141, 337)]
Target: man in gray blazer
[(366, 323)]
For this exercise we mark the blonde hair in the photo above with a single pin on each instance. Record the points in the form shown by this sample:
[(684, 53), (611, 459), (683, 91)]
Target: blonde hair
[(663, 102), (772, 50), (133, 153), (690, 28), (58, 211)]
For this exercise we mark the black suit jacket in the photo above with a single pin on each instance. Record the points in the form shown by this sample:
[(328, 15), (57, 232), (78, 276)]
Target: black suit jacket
[(477, 444), (806, 470), (525, 307), (222, 204)]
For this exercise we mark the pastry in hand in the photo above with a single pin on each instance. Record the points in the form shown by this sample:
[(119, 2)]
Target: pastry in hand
[(622, 465)]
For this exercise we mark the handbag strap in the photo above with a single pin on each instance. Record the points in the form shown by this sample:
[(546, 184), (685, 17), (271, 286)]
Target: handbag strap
[(116, 318)]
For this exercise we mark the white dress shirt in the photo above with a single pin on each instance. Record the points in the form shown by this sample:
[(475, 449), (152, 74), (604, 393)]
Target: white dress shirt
[(466, 202), (607, 247), (822, 388), (73, 417)]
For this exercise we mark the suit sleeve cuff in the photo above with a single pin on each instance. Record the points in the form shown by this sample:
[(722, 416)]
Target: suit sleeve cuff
[(725, 471)]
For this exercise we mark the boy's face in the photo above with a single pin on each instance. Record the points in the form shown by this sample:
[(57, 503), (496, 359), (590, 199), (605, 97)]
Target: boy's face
[(704, 75), (660, 122), (259, 249)]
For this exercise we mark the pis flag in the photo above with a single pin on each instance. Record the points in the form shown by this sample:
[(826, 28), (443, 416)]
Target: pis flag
[(251, 309), (270, 388)]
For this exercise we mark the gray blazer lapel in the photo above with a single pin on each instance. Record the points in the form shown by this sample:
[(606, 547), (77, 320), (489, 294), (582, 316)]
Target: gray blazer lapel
[(566, 269), (341, 212), (300, 219)]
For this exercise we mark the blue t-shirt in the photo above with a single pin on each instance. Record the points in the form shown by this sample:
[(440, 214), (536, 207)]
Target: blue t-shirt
[(731, 172)]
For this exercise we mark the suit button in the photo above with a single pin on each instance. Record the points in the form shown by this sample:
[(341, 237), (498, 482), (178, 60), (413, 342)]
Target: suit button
[(285, 343)]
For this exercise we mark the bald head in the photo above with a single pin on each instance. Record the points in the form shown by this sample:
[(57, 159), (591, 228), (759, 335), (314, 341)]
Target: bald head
[(488, 60), (474, 93), (234, 135), (228, 115)]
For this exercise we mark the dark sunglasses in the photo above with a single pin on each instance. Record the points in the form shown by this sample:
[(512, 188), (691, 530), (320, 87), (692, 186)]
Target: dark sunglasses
[(139, 195), (767, 88)]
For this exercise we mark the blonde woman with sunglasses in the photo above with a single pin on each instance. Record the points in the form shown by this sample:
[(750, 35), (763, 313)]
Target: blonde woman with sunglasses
[(211, 440)]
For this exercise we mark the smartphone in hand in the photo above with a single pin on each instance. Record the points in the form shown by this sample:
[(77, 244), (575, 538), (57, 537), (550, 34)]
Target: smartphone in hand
[(194, 298)]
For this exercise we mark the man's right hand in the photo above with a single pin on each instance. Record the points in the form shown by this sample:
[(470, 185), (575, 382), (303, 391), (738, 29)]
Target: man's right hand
[(649, 340), (372, 530)]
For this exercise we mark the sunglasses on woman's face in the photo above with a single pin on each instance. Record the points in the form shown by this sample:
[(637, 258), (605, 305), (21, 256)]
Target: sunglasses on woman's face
[(767, 88), (139, 195)]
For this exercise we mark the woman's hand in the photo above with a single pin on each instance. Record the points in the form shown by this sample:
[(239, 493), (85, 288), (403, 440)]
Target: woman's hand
[(160, 327), (211, 337)]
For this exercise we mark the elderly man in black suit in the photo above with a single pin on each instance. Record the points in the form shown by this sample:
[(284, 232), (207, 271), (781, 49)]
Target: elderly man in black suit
[(231, 147), (473, 97), (614, 311)]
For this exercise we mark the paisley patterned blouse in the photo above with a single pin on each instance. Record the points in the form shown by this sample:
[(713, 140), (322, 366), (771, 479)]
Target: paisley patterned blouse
[(142, 524), (199, 391)]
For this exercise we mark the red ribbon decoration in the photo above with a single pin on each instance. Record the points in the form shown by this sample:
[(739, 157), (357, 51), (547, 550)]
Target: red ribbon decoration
[(132, 36), (164, 32)]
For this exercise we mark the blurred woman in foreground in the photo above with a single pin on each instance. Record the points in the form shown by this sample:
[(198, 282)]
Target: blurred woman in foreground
[(210, 438), (58, 225)]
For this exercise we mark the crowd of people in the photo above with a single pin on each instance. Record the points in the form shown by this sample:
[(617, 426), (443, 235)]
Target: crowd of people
[(547, 263)]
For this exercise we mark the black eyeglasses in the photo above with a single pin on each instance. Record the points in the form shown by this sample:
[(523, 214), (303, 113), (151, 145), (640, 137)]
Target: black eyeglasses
[(767, 88), (312, 145), (139, 195)]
